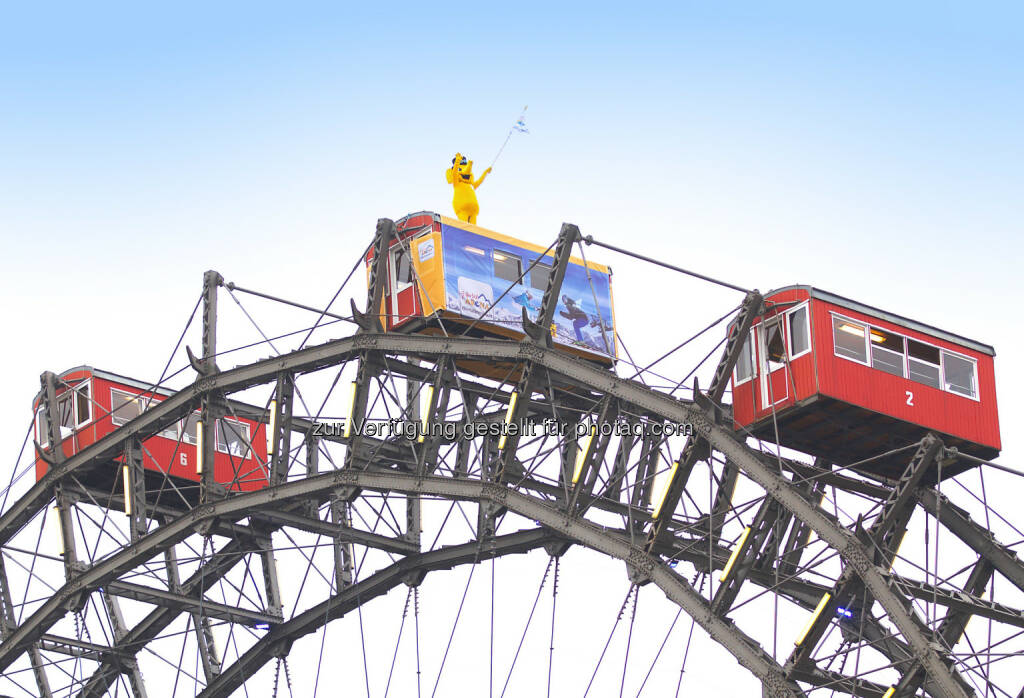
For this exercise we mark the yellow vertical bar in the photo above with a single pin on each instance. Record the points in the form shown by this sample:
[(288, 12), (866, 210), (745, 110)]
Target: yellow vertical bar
[(584, 452), (351, 407), (817, 612), (664, 491), (273, 427), (127, 491), (735, 554), (513, 398), (199, 447), (59, 528), (427, 400)]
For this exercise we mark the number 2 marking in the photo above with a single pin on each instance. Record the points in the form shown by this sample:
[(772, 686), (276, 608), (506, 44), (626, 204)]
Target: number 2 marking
[(910, 398)]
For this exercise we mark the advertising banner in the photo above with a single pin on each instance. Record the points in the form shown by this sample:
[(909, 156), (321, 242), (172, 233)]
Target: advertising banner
[(480, 282)]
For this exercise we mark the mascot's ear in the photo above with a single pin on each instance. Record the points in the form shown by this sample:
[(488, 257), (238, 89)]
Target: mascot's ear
[(453, 161)]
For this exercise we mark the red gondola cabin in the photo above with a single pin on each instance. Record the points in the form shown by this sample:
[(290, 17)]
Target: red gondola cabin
[(847, 382), (92, 404)]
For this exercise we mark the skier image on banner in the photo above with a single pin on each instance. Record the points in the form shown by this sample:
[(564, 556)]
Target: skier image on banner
[(526, 300), (574, 312)]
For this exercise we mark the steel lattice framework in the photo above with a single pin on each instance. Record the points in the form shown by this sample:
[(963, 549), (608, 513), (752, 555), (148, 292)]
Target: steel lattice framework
[(206, 564)]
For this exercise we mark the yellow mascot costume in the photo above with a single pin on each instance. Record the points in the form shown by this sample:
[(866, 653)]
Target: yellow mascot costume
[(460, 176)]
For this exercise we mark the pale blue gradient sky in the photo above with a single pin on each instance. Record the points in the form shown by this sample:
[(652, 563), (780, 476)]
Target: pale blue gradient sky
[(872, 150)]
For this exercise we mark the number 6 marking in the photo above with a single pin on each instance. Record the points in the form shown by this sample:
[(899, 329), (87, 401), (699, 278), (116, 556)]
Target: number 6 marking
[(910, 398)]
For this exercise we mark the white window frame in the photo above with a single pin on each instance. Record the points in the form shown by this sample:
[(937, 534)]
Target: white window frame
[(779, 320), (753, 363), (153, 402), (400, 247), (40, 412), (764, 364), (903, 364), (867, 340), (397, 287), (134, 398), (519, 265), (974, 365), (906, 356), (247, 450), (87, 384), (789, 331), (183, 429), (72, 404), (42, 439)]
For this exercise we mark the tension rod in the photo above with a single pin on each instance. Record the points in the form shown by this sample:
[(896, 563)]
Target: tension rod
[(589, 239), (232, 286)]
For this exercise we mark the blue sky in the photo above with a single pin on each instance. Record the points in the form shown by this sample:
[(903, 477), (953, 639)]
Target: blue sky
[(872, 150), (202, 123)]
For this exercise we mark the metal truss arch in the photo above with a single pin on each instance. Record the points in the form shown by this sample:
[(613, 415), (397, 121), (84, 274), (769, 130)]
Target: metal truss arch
[(561, 517)]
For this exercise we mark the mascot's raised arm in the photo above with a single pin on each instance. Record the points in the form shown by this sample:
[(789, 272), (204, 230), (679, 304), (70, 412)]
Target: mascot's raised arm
[(460, 176)]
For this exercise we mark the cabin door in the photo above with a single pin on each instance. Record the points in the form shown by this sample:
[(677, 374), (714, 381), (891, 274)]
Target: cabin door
[(773, 374), (400, 300)]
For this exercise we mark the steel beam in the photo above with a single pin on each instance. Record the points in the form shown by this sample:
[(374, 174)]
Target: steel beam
[(279, 640), (130, 666), (979, 538), (413, 513), (312, 447), (344, 556), (697, 447), (134, 482), (807, 594), (208, 410), (539, 334), (73, 647), (194, 604), (8, 623), (590, 466), (372, 320), (849, 588), (48, 383), (337, 531), (271, 583), (876, 580), (200, 621), (800, 533), (742, 647), (157, 620), (280, 439), (756, 548), (950, 629)]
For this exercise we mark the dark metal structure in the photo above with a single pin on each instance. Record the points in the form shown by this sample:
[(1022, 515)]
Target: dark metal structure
[(716, 521)]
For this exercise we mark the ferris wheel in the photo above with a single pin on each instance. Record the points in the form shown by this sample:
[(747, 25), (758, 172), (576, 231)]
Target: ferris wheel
[(818, 512)]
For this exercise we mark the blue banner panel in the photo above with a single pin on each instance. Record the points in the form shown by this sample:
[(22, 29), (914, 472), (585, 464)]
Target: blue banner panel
[(480, 283)]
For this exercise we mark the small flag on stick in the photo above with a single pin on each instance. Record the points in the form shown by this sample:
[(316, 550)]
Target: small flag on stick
[(518, 127)]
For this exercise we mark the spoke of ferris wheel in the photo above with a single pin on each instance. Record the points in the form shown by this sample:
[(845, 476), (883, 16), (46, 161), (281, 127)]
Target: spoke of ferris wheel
[(611, 634), (988, 510), (526, 627), (451, 636), (15, 474)]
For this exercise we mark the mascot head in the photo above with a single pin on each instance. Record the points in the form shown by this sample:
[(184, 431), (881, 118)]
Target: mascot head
[(463, 168)]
